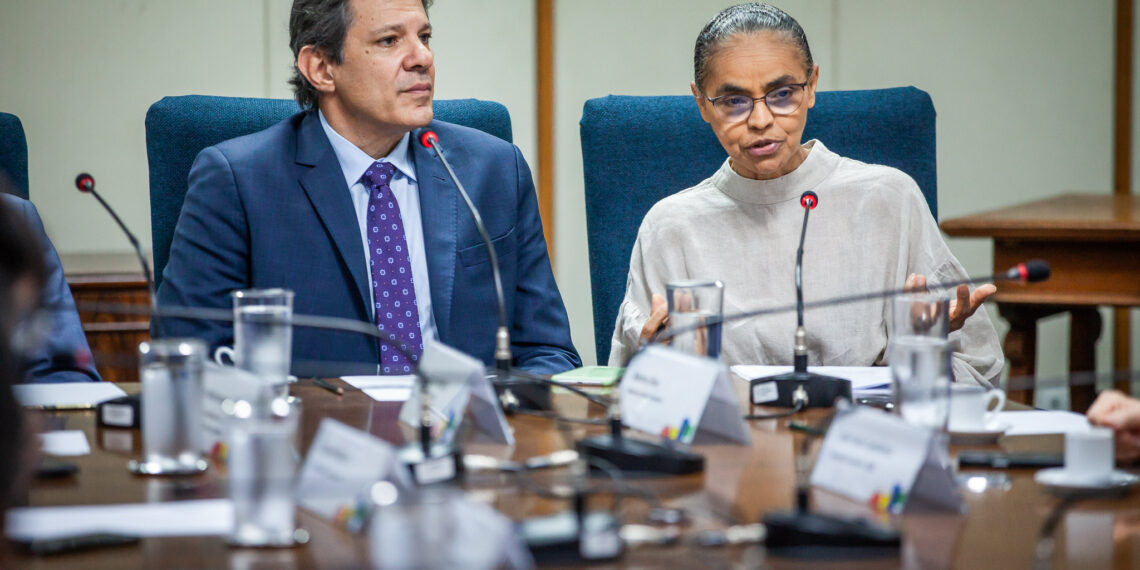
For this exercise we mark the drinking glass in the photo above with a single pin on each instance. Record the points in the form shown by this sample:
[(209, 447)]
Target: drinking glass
[(262, 465), (919, 355), (691, 304), (263, 335), (172, 396)]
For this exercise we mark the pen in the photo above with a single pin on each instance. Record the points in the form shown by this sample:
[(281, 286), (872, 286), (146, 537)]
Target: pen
[(61, 407), (324, 384)]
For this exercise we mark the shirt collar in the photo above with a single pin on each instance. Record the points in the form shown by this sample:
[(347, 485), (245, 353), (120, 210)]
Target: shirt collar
[(354, 162)]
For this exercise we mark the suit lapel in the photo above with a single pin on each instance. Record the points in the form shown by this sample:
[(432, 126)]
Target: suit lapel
[(324, 184), (438, 202)]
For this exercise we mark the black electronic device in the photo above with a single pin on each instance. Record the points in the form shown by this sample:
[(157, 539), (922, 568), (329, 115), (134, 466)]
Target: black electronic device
[(573, 536), (121, 412), (819, 535), (512, 392), (44, 547), (638, 456), (1003, 460), (86, 183), (55, 469)]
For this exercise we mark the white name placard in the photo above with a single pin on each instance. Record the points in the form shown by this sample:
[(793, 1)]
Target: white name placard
[(222, 383), (679, 396), (458, 386), (340, 469), (878, 459)]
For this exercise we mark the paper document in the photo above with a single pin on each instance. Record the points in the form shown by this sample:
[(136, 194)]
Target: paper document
[(861, 377), (1037, 422), (383, 388), (177, 518), (73, 394), (67, 442), (590, 376)]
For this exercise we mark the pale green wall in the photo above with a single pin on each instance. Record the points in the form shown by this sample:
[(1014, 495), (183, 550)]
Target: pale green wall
[(1022, 89)]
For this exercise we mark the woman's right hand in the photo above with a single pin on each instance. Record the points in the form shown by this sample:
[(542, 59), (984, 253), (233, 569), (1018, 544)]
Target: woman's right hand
[(658, 317)]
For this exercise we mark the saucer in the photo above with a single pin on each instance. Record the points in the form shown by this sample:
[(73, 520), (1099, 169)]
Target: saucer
[(1060, 481), (984, 436)]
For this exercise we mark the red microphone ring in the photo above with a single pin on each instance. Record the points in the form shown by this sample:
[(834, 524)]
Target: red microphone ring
[(1023, 271), (809, 200), (428, 137)]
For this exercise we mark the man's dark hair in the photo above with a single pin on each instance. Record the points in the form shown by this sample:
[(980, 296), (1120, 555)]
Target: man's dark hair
[(741, 19), (322, 24)]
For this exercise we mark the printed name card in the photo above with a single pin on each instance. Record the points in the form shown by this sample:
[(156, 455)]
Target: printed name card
[(221, 383), (878, 459), (680, 396), (457, 386), (342, 465)]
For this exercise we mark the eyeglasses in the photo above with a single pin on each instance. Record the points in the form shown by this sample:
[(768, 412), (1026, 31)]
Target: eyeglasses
[(783, 100)]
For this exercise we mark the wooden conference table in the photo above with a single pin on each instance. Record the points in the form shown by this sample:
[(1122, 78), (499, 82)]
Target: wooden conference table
[(738, 486)]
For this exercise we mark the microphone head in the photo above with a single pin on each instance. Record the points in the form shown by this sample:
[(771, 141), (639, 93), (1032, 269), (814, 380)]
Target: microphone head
[(809, 200), (85, 182), (429, 138), (1034, 271)]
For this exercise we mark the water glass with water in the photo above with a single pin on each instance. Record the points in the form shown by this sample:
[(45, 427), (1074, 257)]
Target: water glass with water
[(691, 304), (170, 371), (919, 354), (263, 335), (261, 462)]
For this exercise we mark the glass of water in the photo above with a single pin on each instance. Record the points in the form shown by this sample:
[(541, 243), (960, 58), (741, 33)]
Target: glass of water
[(261, 463), (691, 305), (919, 355), (263, 335), (172, 397)]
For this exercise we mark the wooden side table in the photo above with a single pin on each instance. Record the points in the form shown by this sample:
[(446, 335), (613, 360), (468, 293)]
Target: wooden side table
[(114, 339), (1092, 242)]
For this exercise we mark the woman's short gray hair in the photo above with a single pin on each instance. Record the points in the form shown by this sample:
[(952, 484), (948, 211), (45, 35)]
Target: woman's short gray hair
[(741, 19)]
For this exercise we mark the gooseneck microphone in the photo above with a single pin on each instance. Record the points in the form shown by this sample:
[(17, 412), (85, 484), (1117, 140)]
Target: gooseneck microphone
[(86, 184), (535, 395), (809, 200), (799, 388)]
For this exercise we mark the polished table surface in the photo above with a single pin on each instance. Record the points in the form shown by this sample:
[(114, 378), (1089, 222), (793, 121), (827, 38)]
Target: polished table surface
[(738, 486)]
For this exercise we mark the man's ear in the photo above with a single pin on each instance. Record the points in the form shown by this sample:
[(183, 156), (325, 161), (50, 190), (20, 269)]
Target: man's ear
[(313, 64)]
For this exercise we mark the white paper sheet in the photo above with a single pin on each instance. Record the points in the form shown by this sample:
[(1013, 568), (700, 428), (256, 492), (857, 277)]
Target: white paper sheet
[(65, 442), (863, 378), (383, 388), (178, 518), (1036, 422), (68, 394)]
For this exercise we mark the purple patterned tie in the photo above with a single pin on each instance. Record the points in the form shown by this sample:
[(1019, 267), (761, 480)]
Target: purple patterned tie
[(392, 285)]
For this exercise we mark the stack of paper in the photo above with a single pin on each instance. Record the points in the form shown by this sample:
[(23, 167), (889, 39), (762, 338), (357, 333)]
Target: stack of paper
[(69, 395), (383, 388), (178, 518)]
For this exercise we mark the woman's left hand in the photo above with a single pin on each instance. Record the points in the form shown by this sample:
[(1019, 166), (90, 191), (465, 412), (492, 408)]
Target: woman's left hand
[(963, 305)]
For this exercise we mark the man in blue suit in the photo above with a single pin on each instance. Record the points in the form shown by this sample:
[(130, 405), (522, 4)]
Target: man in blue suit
[(343, 205), (63, 355)]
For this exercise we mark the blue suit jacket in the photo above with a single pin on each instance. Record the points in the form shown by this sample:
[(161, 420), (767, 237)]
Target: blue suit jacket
[(64, 355), (272, 209)]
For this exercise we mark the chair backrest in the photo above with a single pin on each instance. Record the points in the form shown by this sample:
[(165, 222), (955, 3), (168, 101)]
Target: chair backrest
[(13, 156), (178, 128), (638, 150)]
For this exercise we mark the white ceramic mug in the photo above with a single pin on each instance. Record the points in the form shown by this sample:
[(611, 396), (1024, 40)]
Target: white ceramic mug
[(1089, 455), (973, 408), (224, 355)]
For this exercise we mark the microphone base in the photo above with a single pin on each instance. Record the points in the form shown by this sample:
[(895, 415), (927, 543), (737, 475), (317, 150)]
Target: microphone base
[(780, 391), (635, 456), (443, 463), (558, 538), (823, 536), (518, 392)]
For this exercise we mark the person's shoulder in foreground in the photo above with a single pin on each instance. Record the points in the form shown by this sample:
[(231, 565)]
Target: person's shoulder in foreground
[(63, 355)]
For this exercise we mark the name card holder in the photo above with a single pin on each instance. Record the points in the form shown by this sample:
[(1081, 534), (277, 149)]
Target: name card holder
[(878, 459), (342, 465), (681, 397)]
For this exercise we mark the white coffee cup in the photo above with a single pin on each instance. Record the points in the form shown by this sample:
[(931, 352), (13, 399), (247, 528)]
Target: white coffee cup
[(224, 355), (973, 408), (1089, 455)]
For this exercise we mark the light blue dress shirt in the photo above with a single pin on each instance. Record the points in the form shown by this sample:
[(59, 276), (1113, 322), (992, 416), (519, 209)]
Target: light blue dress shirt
[(354, 162)]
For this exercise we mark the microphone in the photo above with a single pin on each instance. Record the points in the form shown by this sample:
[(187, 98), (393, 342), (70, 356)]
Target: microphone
[(799, 388), (530, 395), (86, 184)]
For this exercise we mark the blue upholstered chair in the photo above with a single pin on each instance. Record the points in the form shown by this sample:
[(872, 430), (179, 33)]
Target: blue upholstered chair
[(13, 156), (177, 128), (638, 150)]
